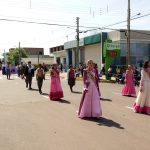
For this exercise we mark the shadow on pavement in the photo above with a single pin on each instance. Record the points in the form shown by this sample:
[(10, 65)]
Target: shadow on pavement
[(33, 89), (129, 96), (46, 94), (76, 92), (106, 99), (105, 122), (63, 101)]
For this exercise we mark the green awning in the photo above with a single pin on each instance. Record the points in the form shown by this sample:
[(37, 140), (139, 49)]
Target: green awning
[(92, 39)]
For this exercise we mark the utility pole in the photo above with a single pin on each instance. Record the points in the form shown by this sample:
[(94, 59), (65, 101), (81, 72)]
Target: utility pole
[(39, 53), (128, 59), (77, 49), (38, 58), (19, 54), (30, 4), (4, 56), (101, 48)]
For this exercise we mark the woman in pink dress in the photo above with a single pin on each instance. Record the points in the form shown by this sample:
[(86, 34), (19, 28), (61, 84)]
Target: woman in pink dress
[(129, 87), (142, 103), (56, 92), (90, 103)]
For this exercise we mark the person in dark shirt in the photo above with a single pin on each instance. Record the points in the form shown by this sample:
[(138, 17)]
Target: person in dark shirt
[(29, 74), (40, 75), (71, 77)]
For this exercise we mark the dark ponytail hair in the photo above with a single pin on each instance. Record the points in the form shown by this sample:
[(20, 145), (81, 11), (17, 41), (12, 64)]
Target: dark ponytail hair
[(145, 66)]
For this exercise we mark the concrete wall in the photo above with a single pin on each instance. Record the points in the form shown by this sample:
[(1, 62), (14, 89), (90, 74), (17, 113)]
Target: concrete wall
[(114, 35), (47, 61), (138, 35), (134, 35), (93, 52)]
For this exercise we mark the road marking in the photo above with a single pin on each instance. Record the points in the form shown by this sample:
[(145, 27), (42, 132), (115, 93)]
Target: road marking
[(128, 107)]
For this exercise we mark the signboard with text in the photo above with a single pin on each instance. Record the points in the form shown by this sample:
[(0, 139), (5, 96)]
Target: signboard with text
[(110, 50)]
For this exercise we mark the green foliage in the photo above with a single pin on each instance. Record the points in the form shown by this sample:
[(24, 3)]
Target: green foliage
[(15, 54)]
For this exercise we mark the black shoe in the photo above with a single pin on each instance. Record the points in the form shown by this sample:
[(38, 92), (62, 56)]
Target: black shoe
[(30, 88), (40, 92)]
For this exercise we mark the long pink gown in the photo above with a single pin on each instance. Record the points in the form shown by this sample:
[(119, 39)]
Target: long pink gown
[(90, 105), (142, 102), (56, 91), (129, 87)]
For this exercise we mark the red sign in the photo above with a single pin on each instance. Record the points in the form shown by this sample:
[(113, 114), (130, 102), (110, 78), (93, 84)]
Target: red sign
[(112, 53)]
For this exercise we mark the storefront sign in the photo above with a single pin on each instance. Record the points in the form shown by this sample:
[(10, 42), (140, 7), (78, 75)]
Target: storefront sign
[(112, 46)]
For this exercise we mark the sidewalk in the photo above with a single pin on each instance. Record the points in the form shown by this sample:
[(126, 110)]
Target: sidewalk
[(102, 79), (63, 75)]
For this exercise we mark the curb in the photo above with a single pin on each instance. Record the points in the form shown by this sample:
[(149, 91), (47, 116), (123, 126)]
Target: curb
[(81, 79), (101, 81)]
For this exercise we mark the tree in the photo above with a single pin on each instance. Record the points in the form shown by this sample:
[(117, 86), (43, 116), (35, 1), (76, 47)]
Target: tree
[(15, 54)]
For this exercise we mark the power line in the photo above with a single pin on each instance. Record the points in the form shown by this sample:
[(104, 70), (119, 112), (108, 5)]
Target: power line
[(120, 22), (40, 19), (70, 25), (140, 32), (43, 23), (33, 22), (126, 20), (65, 25)]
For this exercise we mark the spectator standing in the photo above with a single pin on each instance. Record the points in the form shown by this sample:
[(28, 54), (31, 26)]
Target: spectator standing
[(82, 68), (29, 74), (22, 70), (71, 77), (61, 67), (40, 76), (110, 72), (45, 69), (8, 70), (3, 69), (18, 70)]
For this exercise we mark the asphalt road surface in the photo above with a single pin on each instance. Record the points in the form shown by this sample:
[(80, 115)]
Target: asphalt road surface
[(30, 121)]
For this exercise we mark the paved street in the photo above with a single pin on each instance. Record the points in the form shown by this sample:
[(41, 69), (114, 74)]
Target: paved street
[(30, 121)]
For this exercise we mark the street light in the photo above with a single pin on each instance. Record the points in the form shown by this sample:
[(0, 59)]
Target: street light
[(77, 49), (19, 54)]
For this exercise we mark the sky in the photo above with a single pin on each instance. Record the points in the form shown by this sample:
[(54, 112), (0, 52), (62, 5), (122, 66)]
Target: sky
[(92, 14)]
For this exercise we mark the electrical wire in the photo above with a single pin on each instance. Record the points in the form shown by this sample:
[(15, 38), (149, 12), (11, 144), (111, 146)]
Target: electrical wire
[(65, 25), (40, 19), (120, 22), (55, 24), (140, 32), (42, 23)]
